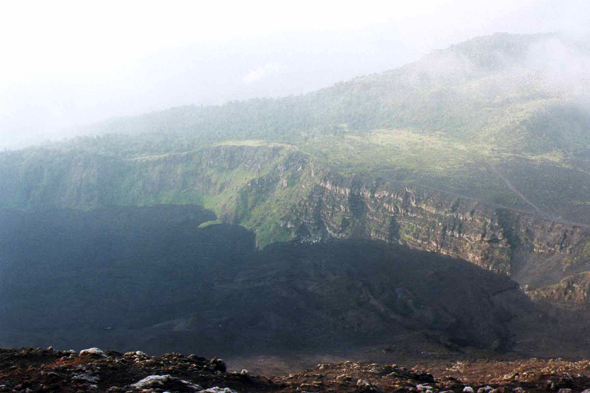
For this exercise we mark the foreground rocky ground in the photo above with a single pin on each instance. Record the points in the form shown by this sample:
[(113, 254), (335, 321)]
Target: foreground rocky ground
[(49, 370)]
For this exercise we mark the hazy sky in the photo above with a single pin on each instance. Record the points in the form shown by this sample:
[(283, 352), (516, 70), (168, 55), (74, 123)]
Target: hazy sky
[(68, 63)]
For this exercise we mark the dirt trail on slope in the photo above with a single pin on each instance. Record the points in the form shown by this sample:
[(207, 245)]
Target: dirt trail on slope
[(540, 212)]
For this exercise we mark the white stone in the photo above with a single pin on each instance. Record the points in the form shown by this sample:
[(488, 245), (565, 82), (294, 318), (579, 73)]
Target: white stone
[(151, 380), (217, 390), (422, 388), (159, 380), (93, 351)]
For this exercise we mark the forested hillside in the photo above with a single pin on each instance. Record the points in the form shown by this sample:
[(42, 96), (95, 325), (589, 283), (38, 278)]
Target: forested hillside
[(473, 120), (483, 90)]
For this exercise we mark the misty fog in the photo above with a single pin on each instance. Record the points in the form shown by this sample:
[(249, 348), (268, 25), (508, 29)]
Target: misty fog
[(70, 66)]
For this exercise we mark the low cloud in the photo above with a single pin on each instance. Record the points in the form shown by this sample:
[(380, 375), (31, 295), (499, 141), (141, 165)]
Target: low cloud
[(262, 72), (564, 63)]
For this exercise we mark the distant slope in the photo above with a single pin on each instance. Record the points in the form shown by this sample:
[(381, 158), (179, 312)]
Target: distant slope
[(484, 90)]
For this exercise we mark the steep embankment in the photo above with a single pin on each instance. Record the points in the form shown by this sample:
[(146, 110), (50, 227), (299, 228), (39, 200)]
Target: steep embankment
[(282, 194)]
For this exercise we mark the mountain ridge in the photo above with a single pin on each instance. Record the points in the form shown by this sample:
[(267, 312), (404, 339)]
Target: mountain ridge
[(440, 122), (296, 113), (511, 142)]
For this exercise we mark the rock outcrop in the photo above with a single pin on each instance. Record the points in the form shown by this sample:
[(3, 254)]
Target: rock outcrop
[(573, 292)]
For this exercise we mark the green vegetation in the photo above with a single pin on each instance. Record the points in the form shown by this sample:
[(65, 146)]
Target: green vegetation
[(209, 223), (481, 92), (471, 120)]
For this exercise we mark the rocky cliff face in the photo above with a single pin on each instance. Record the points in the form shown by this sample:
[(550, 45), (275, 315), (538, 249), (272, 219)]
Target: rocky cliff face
[(315, 203), (490, 237), (572, 292), (281, 194), (396, 213)]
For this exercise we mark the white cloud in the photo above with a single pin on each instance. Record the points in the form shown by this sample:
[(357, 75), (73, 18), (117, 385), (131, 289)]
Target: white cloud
[(263, 72)]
